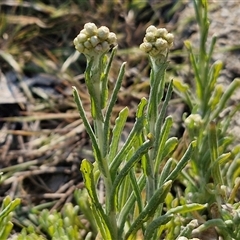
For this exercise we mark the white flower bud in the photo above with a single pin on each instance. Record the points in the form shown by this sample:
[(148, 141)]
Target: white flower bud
[(150, 37), (151, 29), (79, 47), (94, 41), (103, 33), (169, 37), (157, 42), (161, 32), (193, 120), (90, 28), (83, 31), (146, 47), (105, 46), (112, 38), (161, 44), (81, 37), (87, 44)]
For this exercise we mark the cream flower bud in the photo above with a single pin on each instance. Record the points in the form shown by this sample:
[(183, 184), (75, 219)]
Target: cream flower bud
[(93, 41), (146, 47), (150, 37), (161, 32), (103, 33), (82, 37), (90, 28), (79, 47), (87, 44), (105, 46), (161, 44), (193, 120), (112, 38), (151, 29), (157, 42), (169, 37)]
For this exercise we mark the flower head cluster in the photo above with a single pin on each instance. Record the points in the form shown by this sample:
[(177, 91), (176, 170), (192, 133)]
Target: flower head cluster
[(157, 41), (92, 40), (194, 121)]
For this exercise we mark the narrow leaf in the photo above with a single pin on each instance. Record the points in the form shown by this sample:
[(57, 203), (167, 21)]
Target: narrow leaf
[(129, 205), (182, 162), (199, 87), (104, 78), (136, 190), (187, 208), (9, 208), (110, 106), (156, 223), (137, 129), (100, 216), (162, 114), (235, 84), (165, 171), (213, 145), (160, 142), (116, 133), (213, 75), (127, 167), (7, 230), (149, 210), (88, 127), (170, 146)]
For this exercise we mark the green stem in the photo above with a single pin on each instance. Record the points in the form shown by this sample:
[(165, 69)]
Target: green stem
[(157, 84), (99, 131), (99, 125)]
